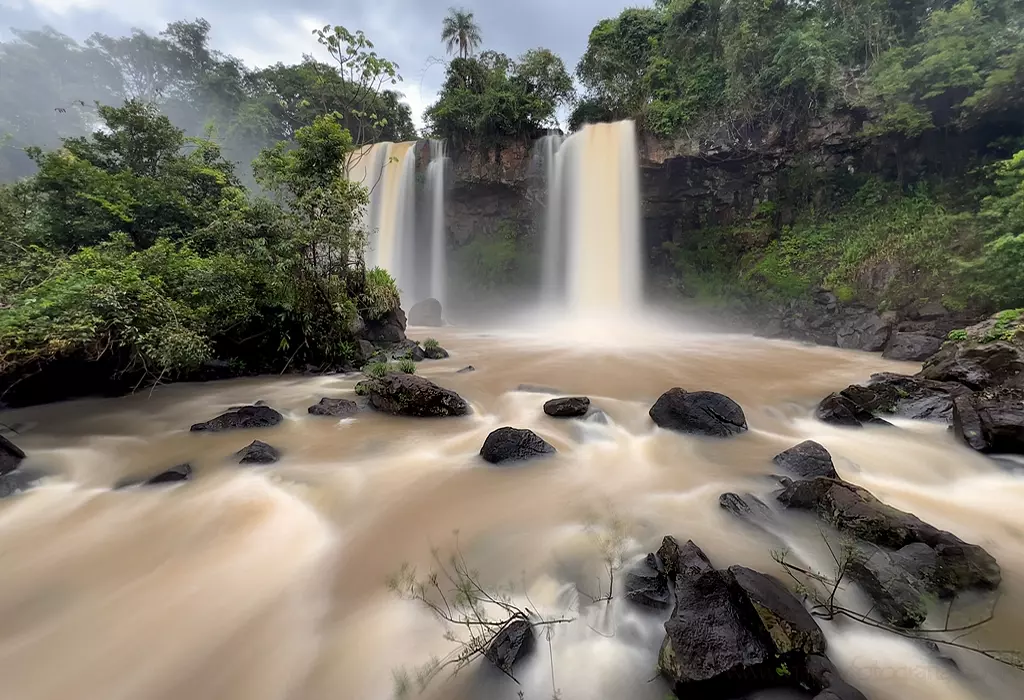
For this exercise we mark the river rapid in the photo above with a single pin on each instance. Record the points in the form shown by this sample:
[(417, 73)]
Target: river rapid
[(270, 583)]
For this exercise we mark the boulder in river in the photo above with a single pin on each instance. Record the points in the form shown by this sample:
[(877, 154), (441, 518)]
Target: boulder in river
[(426, 313), (699, 413), (736, 631), (991, 420), (410, 395), (258, 452), (911, 347), (507, 444), (647, 584), (515, 641), (806, 460), (387, 328), (977, 366), (336, 408), (10, 455), (19, 480), (180, 472), (567, 407), (240, 418), (466, 370), (838, 409)]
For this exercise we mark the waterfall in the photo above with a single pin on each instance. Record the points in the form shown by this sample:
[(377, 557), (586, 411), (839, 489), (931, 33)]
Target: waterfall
[(388, 170), (438, 238), (554, 242), (594, 217)]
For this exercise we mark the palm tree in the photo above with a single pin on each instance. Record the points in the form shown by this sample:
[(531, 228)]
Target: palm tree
[(460, 30)]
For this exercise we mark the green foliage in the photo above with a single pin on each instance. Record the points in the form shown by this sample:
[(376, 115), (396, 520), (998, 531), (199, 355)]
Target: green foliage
[(460, 32), (490, 100), (999, 271), (377, 369), (431, 344), (406, 366), (380, 294), (957, 336), (492, 261)]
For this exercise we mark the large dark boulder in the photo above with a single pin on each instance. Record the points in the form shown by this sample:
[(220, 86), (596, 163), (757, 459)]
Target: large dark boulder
[(991, 420), (180, 472), (896, 566), (389, 328), (426, 313), (838, 409), (432, 351), (508, 444), (19, 480), (258, 452), (567, 407), (790, 626), (897, 395), (335, 408), (10, 455), (686, 559), (806, 460), (241, 418), (698, 413), (515, 641), (409, 395), (977, 366), (862, 331), (911, 347)]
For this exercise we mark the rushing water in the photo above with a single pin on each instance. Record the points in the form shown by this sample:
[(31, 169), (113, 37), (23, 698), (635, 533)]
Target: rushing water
[(269, 583), (438, 232)]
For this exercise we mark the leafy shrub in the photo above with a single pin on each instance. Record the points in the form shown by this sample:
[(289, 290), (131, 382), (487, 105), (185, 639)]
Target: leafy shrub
[(407, 366), (380, 295), (431, 344), (377, 369)]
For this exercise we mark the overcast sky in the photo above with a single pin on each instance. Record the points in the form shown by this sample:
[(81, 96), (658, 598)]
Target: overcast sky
[(262, 32)]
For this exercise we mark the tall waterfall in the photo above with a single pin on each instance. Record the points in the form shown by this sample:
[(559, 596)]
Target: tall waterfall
[(438, 237), (594, 217), (553, 261), (388, 170)]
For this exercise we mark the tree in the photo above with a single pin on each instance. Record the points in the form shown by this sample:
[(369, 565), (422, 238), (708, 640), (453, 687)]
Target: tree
[(460, 31)]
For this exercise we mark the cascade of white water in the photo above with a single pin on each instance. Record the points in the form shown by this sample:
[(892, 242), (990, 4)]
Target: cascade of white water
[(553, 261), (438, 242), (594, 217)]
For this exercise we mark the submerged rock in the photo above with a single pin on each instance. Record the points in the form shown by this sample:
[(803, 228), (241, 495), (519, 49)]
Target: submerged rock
[(241, 418), (806, 460), (992, 420), (409, 395), (537, 389), (435, 352), (467, 369), (19, 480), (508, 444), (336, 408), (698, 413), (426, 313), (838, 409), (180, 472), (258, 452), (10, 455), (406, 350), (513, 643), (567, 407)]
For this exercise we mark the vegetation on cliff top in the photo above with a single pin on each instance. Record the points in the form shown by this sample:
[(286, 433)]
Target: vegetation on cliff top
[(140, 245)]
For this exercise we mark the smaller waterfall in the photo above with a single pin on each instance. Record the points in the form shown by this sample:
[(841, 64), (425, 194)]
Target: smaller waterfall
[(438, 238), (553, 265)]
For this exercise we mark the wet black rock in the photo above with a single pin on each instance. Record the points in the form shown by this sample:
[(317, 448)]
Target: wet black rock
[(410, 395), (180, 472), (241, 418), (908, 555), (698, 413), (567, 407), (991, 420), (837, 409), (791, 627), (823, 678), (426, 313), (911, 347), (806, 460), (507, 444), (749, 507), (258, 452), (686, 559), (388, 328), (10, 455), (466, 370), (336, 408), (406, 350), (647, 584), (514, 642), (977, 366)]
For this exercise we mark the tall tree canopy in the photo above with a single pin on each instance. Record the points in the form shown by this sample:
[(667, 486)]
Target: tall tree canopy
[(460, 32)]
